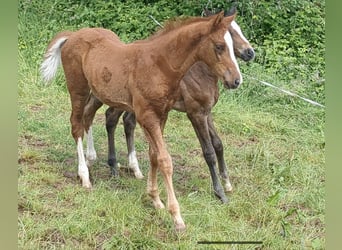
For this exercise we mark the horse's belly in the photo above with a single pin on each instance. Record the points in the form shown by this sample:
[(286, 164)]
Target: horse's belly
[(114, 96)]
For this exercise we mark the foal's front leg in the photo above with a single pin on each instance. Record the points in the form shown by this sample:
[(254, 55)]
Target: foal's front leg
[(199, 122), (218, 146), (160, 159)]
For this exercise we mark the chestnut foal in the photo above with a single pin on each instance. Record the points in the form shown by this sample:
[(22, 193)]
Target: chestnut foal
[(141, 77), (198, 94)]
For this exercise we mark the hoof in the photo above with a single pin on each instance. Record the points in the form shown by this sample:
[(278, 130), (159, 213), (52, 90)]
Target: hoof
[(114, 172), (223, 198), (138, 175), (228, 187), (90, 163), (180, 227), (85, 181), (158, 205), (87, 185), (111, 162)]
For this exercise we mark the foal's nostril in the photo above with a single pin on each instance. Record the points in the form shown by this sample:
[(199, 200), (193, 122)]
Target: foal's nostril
[(250, 52), (237, 82)]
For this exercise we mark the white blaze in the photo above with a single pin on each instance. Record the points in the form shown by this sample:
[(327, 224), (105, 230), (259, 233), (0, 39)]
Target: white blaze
[(236, 27), (229, 42)]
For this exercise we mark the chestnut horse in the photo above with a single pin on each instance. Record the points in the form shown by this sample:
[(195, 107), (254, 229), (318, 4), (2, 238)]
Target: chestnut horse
[(198, 95), (141, 77)]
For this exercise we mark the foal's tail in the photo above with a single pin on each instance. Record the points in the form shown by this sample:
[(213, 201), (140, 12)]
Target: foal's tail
[(52, 57)]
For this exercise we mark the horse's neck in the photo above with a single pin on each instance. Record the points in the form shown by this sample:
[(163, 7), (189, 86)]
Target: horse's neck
[(200, 80), (202, 71), (199, 89), (180, 48)]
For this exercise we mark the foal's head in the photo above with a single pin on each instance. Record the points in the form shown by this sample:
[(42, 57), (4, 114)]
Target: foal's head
[(242, 47), (218, 51)]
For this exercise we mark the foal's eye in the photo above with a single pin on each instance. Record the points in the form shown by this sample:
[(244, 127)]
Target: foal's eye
[(219, 48)]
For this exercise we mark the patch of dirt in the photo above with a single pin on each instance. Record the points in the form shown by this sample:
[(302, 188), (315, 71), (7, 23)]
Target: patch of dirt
[(316, 223), (59, 185), (35, 145), (69, 174), (53, 236), (36, 107), (71, 161), (101, 238), (118, 183), (298, 207), (32, 141), (22, 206), (29, 159), (249, 141), (162, 235), (195, 152)]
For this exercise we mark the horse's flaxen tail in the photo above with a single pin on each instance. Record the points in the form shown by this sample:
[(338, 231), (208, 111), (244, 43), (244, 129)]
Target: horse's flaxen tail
[(52, 57)]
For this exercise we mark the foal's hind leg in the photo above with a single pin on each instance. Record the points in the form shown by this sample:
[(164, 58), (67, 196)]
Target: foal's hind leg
[(77, 132), (79, 92), (200, 124), (130, 124), (92, 106), (112, 119), (218, 146)]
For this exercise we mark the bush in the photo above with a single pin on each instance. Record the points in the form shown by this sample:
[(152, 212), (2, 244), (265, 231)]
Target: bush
[(288, 36), (290, 39)]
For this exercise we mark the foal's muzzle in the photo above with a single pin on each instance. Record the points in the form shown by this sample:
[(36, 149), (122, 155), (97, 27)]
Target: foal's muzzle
[(248, 54), (232, 84)]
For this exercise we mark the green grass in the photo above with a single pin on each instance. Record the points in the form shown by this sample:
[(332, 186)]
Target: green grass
[(274, 147)]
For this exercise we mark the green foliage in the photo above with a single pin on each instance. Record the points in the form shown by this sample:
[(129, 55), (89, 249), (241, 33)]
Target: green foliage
[(288, 36)]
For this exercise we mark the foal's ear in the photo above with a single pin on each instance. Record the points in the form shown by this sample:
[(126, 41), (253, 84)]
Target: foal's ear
[(230, 12), (230, 18), (216, 21), (219, 18)]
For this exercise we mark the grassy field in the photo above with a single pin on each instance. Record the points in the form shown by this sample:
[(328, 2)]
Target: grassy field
[(274, 147)]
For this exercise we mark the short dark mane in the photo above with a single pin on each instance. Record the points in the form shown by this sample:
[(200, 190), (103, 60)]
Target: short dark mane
[(175, 23)]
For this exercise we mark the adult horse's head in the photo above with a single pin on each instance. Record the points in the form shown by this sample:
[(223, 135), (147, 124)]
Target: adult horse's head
[(218, 50)]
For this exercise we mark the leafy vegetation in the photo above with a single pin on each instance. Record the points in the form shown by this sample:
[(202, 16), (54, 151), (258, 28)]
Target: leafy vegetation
[(289, 36), (274, 143)]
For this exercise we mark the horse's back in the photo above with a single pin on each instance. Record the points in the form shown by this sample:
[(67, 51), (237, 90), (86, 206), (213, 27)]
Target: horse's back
[(90, 44), (92, 37), (96, 33)]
